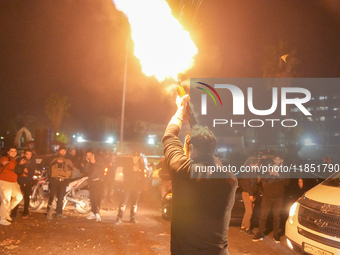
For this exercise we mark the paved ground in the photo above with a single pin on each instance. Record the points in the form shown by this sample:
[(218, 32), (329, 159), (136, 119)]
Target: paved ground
[(241, 243), (77, 235)]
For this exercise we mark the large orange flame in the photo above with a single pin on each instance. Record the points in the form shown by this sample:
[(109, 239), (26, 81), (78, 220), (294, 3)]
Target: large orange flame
[(163, 47)]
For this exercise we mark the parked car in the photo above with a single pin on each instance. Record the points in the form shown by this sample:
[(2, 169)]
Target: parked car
[(313, 225)]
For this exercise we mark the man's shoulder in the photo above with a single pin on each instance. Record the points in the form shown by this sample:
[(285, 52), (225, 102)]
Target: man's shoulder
[(6, 157), (54, 159), (17, 159)]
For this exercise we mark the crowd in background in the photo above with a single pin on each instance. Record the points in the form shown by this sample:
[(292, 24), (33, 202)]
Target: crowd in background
[(17, 171)]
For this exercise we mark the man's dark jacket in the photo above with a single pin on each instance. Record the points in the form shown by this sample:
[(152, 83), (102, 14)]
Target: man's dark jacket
[(201, 207), (31, 167)]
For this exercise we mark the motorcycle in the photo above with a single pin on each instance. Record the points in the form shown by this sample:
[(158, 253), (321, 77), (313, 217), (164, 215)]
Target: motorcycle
[(78, 196), (74, 193), (39, 189)]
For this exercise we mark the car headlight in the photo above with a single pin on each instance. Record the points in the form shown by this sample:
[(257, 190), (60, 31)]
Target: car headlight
[(292, 212)]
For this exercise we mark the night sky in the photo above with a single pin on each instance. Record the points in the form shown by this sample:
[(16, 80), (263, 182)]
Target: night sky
[(76, 48)]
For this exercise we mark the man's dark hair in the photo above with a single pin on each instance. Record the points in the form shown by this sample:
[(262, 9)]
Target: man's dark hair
[(62, 147), (27, 150), (203, 139), (89, 151), (278, 155), (11, 147)]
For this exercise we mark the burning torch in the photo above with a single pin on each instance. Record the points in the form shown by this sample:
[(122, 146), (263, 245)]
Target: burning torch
[(181, 92)]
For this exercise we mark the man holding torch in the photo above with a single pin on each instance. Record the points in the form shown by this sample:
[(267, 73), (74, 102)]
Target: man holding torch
[(201, 204)]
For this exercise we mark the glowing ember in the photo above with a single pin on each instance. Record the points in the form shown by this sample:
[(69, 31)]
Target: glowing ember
[(162, 46)]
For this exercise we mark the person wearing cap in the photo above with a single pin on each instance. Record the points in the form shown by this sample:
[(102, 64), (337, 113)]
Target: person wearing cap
[(133, 185), (59, 173), (201, 202)]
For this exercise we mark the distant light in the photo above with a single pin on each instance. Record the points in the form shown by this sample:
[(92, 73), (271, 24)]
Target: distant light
[(74, 136), (2, 137), (57, 134), (223, 149), (110, 140), (80, 139), (308, 142), (253, 141), (151, 139)]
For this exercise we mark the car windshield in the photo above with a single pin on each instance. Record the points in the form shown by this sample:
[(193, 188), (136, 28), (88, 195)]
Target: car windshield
[(333, 180)]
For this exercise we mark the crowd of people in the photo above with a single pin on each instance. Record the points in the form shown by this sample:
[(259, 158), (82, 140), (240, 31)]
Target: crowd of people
[(276, 190), (273, 190), (201, 203), (16, 180)]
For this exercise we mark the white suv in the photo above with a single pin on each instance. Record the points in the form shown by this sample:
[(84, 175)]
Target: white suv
[(313, 225)]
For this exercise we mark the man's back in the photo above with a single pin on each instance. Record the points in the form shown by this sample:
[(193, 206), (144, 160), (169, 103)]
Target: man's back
[(201, 207), (201, 215)]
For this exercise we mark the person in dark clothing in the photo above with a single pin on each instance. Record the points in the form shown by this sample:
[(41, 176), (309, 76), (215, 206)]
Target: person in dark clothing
[(26, 181), (201, 204), (296, 189), (94, 170), (133, 185), (249, 191), (59, 174), (75, 158), (272, 198)]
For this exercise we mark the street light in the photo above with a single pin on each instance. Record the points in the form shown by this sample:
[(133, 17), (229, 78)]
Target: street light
[(124, 91), (123, 103)]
